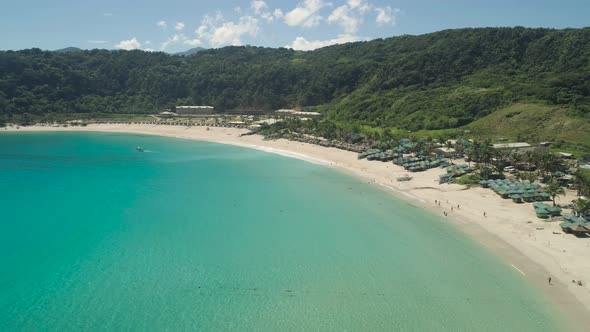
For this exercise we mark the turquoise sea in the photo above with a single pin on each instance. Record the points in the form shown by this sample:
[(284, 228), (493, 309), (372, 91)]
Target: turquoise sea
[(200, 236)]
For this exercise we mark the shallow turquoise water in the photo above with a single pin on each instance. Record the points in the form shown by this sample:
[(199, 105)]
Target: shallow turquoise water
[(199, 236)]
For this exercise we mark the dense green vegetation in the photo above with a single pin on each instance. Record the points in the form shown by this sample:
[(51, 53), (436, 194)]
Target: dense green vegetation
[(442, 80), (583, 182), (536, 123)]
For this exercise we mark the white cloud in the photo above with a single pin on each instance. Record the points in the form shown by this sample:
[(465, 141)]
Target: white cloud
[(386, 15), (278, 13), (162, 24), (362, 6), (302, 44), (350, 15), (220, 32), (269, 17), (258, 6), (130, 44), (98, 41), (207, 24), (193, 42), (179, 38), (172, 40), (107, 14), (261, 9), (149, 50), (344, 17), (179, 26), (306, 14), (148, 42)]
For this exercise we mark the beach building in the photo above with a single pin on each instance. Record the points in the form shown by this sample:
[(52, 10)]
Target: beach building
[(236, 123), (462, 141), (565, 155), (307, 115), (444, 152), (297, 114), (284, 112), (194, 110), (167, 115), (512, 146), (246, 111), (266, 121), (520, 147), (516, 147)]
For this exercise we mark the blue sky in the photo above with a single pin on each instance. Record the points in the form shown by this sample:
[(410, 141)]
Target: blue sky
[(177, 25)]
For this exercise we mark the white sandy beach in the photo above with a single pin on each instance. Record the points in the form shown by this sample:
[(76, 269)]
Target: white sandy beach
[(535, 249)]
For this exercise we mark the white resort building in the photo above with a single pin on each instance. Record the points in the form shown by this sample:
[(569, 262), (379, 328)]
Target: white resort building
[(194, 110), (297, 114)]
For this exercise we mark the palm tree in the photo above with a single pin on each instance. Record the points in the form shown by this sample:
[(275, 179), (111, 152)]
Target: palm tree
[(487, 151), (582, 182), (419, 147), (428, 145), (528, 176), (413, 141), (484, 153), (442, 140), (554, 189), (498, 161), (547, 164), (388, 136), (416, 144), (448, 144), (476, 149), (581, 206), (459, 148)]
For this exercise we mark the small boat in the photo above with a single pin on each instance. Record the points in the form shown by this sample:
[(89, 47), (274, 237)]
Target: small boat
[(140, 149)]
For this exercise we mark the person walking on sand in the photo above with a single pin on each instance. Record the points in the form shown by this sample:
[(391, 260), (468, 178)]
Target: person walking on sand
[(484, 214), (549, 280)]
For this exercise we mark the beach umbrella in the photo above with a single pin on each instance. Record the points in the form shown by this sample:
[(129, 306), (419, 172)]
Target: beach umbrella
[(542, 213), (539, 205), (516, 198), (554, 210)]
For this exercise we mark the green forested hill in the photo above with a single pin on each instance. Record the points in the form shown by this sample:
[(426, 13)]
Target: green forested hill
[(441, 80), (535, 123)]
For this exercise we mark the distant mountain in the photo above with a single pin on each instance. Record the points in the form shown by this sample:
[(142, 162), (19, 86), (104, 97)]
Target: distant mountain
[(69, 49), (190, 52)]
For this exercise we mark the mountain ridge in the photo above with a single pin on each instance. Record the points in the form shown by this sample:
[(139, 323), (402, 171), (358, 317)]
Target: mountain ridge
[(69, 49), (445, 79), (190, 52)]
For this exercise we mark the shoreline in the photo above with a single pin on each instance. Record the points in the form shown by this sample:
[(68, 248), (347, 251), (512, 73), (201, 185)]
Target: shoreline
[(510, 231)]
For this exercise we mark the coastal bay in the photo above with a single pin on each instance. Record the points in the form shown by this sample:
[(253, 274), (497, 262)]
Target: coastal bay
[(420, 193)]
